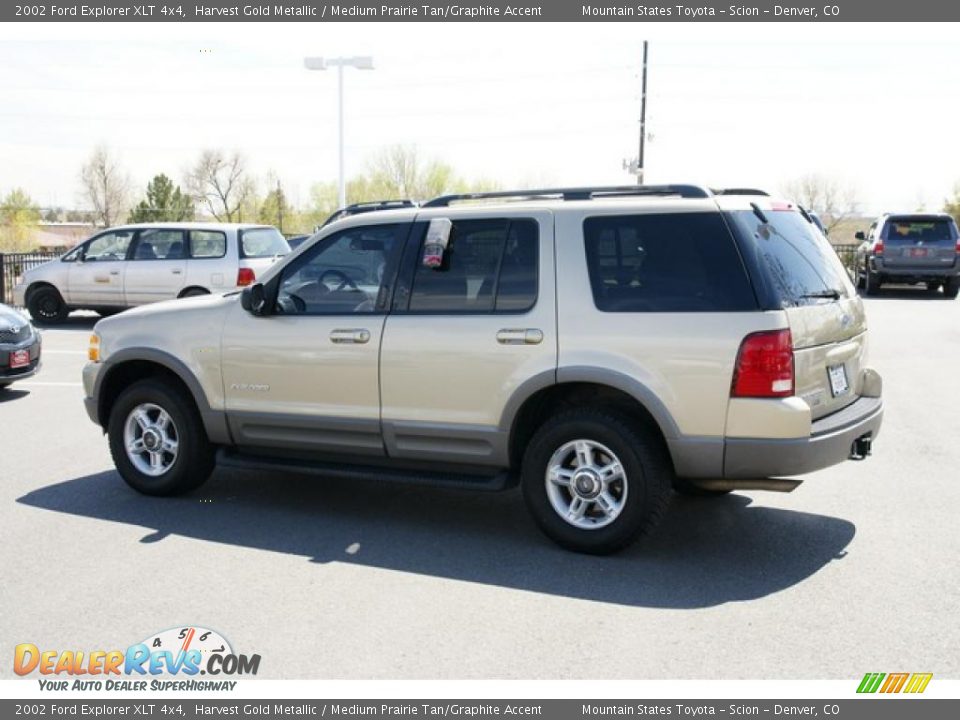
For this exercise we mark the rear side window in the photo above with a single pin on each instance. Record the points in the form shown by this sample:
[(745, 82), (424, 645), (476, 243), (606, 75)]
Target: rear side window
[(673, 262), (489, 266), (800, 263), (207, 244), (159, 245), (262, 242)]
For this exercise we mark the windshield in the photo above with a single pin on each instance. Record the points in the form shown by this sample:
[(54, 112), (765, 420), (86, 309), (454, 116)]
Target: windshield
[(800, 262), (262, 242)]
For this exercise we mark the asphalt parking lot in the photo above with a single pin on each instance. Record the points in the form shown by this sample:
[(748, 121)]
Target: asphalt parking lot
[(855, 571)]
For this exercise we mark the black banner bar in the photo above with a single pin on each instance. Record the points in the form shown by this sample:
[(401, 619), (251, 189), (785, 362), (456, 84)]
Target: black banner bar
[(483, 11)]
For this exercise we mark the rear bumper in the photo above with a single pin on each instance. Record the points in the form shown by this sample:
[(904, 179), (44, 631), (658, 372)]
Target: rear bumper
[(830, 442), (881, 266)]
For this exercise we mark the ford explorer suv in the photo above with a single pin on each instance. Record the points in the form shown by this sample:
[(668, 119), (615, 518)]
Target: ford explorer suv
[(596, 346), (913, 248), (132, 265)]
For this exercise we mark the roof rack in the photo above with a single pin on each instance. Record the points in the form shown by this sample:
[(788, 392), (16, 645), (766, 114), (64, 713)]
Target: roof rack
[(365, 207), (739, 191), (581, 193)]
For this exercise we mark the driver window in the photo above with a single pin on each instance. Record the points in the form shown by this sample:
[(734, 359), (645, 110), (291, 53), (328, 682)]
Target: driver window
[(341, 274), (110, 246)]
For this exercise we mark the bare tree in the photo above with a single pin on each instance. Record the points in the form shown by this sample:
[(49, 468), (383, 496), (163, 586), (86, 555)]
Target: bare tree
[(106, 187), (832, 199), (220, 182)]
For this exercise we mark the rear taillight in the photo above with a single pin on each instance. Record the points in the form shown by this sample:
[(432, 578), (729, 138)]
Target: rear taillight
[(764, 366), (245, 276), (878, 248)]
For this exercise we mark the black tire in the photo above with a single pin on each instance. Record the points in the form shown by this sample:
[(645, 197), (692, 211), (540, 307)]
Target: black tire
[(644, 492), (47, 307), (4, 385), (871, 282), (932, 286), (861, 279), (951, 287), (194, 460), (690, 489), (194, 292)]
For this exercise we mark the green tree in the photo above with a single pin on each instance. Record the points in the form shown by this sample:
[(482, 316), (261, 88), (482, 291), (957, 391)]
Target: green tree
[(952, 205), (397, 172), (19, 216), (164, 201), (276, 210)]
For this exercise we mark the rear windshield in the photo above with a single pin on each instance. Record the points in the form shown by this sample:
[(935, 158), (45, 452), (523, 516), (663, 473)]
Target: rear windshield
[(800, 263), (262, 242), (913, 229), (671, 262)]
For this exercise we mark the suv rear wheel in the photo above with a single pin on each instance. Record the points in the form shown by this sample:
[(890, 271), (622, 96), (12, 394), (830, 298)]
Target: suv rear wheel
[(157, 440), (871, 281), (594, 481), (951, 287)]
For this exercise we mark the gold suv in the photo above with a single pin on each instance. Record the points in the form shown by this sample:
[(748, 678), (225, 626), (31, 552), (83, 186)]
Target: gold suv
[(596, 346)]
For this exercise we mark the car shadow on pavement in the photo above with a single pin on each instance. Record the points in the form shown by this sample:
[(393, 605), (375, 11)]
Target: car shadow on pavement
[(8, 395), (79, 323), (708, 551)]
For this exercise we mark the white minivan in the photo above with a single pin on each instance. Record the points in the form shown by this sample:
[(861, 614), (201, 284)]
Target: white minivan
[(131, 265)]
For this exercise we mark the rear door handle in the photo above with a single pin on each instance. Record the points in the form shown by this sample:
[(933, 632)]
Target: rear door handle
[(357, 336), (177, 271), (114, 272), (520, 336)]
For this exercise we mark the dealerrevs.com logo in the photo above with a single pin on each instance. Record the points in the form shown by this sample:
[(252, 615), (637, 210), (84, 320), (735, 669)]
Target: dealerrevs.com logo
[(169, 660)]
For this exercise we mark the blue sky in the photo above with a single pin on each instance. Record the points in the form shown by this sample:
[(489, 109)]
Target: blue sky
[(523, 104)]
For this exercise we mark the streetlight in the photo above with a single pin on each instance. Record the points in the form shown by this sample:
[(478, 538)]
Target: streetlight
[(364, 62)]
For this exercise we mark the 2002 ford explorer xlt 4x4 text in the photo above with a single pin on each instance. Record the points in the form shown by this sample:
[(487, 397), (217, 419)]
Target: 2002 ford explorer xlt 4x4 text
[(598, 346)]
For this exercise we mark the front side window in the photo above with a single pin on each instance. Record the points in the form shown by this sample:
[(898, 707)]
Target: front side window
[(262, 242), (159, 245), (670, 262), (109, 246), (342, 274), (488, 266), (207, 244)]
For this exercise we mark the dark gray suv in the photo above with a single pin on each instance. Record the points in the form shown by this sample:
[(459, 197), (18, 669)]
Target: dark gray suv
[(910, 249)]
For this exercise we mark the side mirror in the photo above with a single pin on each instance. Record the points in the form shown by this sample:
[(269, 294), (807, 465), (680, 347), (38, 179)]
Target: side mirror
[(254, 300), (859, 235)]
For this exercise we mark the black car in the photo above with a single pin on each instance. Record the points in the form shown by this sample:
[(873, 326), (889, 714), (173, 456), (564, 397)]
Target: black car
[(19, 347)]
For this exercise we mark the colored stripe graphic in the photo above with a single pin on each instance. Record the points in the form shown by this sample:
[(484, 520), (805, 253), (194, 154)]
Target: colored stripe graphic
[(918, 682), (870, 682), (894, 683)]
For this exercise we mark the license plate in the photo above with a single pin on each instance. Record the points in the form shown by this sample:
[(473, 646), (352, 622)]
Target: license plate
[(19, 358), (918, 252), (838, 380)]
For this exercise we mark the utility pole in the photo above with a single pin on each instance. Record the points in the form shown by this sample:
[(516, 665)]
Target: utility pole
[(635, 165), (643, 115)]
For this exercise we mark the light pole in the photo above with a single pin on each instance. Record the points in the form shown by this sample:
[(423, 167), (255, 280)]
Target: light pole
[(364, 62)]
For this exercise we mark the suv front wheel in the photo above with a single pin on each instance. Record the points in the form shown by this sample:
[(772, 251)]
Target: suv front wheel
[(157, 440), (594, 481)]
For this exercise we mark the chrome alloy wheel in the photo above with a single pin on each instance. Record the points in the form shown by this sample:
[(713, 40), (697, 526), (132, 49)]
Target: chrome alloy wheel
[(586, 484), (151, 439)]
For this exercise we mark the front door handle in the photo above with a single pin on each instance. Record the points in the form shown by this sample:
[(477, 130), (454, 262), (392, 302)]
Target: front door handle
[(177, 271), (357, 336), (520, 336), (114, 272)]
